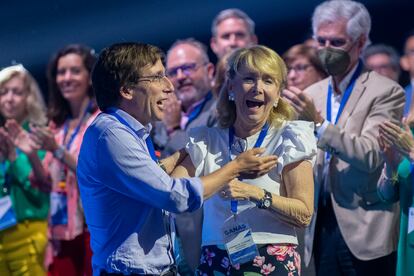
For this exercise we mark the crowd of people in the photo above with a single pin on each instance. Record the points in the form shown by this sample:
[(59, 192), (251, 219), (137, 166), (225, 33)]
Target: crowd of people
[(145, 163)]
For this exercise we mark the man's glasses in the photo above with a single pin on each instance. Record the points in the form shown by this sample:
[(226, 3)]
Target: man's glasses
[(334, 42), (298, 68), (409, 52), (153, 78), (186, 69)]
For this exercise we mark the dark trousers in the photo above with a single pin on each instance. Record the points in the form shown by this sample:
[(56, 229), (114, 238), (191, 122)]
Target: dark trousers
[(332, 255)]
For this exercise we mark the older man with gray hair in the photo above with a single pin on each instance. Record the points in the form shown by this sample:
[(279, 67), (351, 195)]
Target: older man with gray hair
[(355, 233), (231, 29)]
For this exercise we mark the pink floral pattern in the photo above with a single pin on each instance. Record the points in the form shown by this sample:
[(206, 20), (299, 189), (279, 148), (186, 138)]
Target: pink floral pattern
[(267, 269), (258, 261), (273, 259)]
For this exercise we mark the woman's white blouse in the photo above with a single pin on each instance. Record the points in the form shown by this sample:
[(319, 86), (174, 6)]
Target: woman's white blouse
[(209, 151)]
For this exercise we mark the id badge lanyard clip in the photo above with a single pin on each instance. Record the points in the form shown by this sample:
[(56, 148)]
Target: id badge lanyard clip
[(259, 142)]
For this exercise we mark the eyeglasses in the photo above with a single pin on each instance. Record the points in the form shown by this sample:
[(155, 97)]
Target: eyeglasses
[(334, 42), (299, 68), (409, 52), (186, 69), (153, 78), (380, 67), (15, 91)]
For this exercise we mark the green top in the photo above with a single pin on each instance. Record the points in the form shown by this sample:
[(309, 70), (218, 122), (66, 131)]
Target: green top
[(28, 202), (405, 262)]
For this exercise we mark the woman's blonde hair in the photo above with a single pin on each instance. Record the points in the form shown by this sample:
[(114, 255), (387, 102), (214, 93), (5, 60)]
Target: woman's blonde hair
[(35, 106), (263, 60)]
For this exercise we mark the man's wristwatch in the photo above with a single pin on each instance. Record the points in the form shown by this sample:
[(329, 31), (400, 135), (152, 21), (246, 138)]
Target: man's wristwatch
[(266, 201), (59, 153)]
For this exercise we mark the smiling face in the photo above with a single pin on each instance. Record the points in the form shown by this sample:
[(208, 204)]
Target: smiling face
[(301, 73), (254, 96), (147, 98), (13, 97), (72, 77), (232, 33), (190, 73)]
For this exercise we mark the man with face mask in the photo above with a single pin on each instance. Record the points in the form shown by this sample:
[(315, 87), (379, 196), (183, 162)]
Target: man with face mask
[(355, 232)]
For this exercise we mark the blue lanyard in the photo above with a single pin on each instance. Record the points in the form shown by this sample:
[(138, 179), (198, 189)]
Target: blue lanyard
[(412, 178), (7, 177), (148, 141), (197, 110), (258, 143), (76, 131), (345, 97)]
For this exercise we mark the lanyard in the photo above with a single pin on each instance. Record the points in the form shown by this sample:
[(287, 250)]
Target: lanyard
[(4, 167), (412, 178), (258, 143), (197, 110), (6, 184), (148, 141), (76, 131), (345, 97)]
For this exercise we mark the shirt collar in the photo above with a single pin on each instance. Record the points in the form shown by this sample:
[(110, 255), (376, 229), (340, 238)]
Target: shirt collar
[(194, 105), (135, 125)]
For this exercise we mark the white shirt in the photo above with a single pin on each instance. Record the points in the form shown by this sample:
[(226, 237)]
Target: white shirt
[(209, 150)]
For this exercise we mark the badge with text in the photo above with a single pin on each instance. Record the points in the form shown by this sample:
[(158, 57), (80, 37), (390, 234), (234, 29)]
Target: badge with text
[(239, 241), (7, 215), (58, 208), (410, 220)]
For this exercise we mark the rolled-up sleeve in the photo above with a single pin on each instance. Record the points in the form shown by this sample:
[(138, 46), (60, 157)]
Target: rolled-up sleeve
[(128, 169)]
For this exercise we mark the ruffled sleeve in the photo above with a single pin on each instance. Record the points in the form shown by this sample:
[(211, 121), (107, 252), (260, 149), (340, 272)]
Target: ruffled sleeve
[(297, 142), (196, 147)]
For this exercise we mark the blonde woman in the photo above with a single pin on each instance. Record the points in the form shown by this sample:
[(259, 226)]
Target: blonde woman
[(23, 227), (252, 114)]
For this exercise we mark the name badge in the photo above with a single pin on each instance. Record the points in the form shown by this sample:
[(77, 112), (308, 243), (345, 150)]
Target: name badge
[(7, 215), (410, 220), (58, 208), (239, 241)]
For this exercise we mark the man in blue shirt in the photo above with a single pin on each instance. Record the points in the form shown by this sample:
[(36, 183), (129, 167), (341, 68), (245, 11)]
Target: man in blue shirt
[(126, 194)]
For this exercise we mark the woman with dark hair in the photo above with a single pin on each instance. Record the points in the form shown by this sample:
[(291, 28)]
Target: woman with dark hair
[(72, 108), (304, 66)]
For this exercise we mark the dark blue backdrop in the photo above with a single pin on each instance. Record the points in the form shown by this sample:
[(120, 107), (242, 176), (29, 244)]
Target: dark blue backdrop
[(32, 30)]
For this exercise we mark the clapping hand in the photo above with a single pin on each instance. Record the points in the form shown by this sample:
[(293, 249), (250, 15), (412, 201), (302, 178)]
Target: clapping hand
[(21, 139), (7, 148), (45, 138), (400, 139), (172, 112), (303, 105)]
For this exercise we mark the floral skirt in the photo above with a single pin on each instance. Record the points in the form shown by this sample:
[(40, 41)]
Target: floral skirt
[(273, 259)]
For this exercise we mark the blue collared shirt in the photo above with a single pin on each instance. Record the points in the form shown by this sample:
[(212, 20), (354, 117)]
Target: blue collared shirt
[(125, 195)]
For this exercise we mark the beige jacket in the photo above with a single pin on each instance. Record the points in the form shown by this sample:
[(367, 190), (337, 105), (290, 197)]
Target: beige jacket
[(369, 226)]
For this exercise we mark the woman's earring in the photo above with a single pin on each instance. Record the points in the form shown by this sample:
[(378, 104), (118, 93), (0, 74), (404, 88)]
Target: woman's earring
[(275, 103), (231, 96)]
